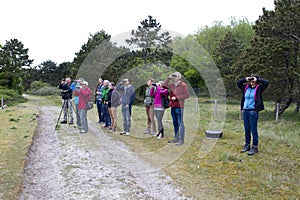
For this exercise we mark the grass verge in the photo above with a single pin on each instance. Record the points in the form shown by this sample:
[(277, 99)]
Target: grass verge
[(225, 173), (16, 132)]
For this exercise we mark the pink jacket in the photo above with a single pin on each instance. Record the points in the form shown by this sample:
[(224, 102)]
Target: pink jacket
[(157, 93), (84, 97)]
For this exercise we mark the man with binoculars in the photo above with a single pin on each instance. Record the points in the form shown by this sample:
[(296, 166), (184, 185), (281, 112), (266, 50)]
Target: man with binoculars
[(66, 95)]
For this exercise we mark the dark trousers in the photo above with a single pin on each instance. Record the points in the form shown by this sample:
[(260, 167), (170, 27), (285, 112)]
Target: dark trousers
[(106, 115), (100, 110), (250, 126)]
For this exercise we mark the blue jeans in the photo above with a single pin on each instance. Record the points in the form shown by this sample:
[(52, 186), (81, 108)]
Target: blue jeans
[(77, 115), (83, 120), (250, 126), (100, 110), (106, 115), (126, 118), (177, 117)]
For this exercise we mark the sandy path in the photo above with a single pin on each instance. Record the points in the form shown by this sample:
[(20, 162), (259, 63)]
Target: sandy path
[(67, 165)]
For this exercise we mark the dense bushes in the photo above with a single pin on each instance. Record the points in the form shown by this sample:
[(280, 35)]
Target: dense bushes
[(10, 96), (42, 89)]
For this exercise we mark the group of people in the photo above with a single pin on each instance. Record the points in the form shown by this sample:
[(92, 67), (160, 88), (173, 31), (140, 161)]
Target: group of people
[(108, 97), (82, 95), (158, 97)]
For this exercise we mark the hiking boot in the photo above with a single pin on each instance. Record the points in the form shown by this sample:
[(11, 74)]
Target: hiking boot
[(246, 148), (64, 122), (122, 133), (173, 141), (253, 150)]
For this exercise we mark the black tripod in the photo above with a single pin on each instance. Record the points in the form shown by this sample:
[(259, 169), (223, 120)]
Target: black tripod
[(65, 105)]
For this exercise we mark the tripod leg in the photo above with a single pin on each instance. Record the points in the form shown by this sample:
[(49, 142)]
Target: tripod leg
[(59, 115), (68, 113)]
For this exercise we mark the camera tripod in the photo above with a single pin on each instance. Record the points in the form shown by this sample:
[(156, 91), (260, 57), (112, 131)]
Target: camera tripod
[(66, 106)]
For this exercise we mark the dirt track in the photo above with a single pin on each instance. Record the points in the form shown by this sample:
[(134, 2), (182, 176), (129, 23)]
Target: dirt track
[(64, 164)]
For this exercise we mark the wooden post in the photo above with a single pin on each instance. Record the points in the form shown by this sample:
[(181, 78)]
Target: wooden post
[(277, 111), (215, 108)]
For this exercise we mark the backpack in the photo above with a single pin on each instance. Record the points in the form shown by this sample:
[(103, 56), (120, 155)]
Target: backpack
[(165, 101), (116, 97)]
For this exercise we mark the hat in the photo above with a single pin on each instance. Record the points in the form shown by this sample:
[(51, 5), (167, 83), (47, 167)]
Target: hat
[(80, 80), (177, 74), (85, 83)]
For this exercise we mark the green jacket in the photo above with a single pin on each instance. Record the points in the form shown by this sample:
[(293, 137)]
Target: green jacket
[(105, 93)]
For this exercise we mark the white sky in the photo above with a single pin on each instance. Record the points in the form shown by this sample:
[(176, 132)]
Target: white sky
[(56, 29)]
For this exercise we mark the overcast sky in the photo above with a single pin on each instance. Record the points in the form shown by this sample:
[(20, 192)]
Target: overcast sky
[(56, 29)]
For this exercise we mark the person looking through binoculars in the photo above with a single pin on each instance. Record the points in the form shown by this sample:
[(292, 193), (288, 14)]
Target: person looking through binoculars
[(66, 95)]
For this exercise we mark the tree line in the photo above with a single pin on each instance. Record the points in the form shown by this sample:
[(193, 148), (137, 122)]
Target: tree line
[(269, 48)]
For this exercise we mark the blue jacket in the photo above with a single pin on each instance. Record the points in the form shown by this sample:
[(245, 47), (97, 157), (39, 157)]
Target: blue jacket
[(262, 85)]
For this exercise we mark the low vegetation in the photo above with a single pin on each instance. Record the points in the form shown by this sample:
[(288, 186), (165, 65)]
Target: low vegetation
[(16, 132), (224, 173), (10, 97)]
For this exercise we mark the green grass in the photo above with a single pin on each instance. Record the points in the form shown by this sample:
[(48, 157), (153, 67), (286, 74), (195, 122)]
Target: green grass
[(16, 132), (226, 173)]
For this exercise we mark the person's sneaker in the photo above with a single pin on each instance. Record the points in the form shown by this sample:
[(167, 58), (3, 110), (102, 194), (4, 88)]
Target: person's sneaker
[(253, 150), (172, 141), (147, 131), (179, 143), (112, 130), (154, 133), (63, 122), (83, 131), (160, 137), (127, 133), (246, 148)]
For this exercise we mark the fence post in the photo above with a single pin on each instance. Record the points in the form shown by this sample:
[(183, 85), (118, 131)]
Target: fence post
[(277, 111), (216, 108)]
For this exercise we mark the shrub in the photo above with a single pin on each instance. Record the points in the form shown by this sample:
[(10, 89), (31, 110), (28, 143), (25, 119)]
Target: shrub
[(45, 91), (10, 96), (42, 89)]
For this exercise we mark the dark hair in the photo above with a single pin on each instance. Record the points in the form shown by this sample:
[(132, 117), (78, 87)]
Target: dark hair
[(151, 79), (254, 75), (112, 83)]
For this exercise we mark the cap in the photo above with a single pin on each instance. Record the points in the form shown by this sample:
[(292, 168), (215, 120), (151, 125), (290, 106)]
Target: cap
[(177, 74), (85, 83)]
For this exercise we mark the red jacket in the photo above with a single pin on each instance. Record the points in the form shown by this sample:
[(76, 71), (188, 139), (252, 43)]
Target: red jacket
[(180, 91), (84, 97)]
